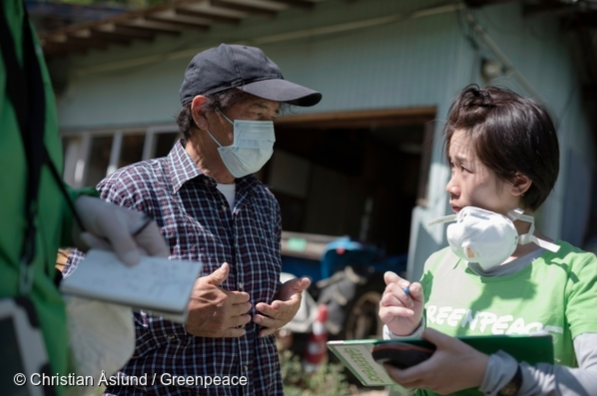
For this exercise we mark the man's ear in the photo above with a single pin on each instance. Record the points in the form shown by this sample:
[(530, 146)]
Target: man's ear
[(521, 184), (197, 112)]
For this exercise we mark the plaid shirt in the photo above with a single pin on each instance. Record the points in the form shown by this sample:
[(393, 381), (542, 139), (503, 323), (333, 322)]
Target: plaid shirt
[(198, 225)]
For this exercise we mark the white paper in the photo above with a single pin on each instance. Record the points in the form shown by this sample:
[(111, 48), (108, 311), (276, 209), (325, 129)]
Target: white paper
[(155, 284)]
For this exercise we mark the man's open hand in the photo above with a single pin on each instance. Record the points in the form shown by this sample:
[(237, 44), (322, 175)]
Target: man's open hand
[(283, 308)]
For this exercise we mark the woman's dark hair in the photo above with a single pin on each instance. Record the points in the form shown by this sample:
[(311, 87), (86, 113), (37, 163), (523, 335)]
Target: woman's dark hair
[(220, 100), (511, 135)]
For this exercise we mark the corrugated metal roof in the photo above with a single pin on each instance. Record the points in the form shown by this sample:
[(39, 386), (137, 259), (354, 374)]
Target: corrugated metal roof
[(170, 18)]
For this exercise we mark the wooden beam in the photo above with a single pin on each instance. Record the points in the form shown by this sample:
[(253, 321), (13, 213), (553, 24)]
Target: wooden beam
[(304, 4), (87, 41), (144, 30), (128, 31), (70, 42), (111, 37), (53, 48), (53, 54), (260, 11), (359, 119), (177, 23), (126, 18), (153, 28), (213, 17)]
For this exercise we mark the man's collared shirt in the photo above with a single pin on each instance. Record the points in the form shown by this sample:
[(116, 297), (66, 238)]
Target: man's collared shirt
[(199, 225)]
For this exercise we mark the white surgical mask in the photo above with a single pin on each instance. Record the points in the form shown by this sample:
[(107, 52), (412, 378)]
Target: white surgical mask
[(486, 237), (252, 147)]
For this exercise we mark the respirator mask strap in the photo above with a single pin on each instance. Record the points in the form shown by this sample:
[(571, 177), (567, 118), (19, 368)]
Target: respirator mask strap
[(524, 239), (442, 219)]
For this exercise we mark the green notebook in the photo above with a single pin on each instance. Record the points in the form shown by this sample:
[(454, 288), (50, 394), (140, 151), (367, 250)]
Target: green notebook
[(356, 354)]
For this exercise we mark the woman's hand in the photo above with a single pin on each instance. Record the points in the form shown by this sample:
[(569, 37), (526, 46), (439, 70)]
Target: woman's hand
[(401, 311), (453, 367)]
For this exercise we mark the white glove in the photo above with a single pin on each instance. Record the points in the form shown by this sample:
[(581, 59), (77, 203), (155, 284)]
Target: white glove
[(127, 232)]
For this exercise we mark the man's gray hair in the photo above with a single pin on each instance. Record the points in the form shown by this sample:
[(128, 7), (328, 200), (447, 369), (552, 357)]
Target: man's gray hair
[(220, 100)]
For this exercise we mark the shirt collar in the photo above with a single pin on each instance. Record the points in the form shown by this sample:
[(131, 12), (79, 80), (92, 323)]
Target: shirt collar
[(182, 167)]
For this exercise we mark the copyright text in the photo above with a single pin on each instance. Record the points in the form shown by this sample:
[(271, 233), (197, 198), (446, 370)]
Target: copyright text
[(42, 379)]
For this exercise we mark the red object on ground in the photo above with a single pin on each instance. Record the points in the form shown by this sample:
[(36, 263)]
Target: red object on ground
[(316, 350)]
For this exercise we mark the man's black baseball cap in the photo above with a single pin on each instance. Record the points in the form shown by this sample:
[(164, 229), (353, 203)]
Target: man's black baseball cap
[(245, 68)]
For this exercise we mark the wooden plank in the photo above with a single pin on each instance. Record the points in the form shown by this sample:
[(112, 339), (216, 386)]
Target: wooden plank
[(112, 37), (177, 23), (304, 4), (361, 123), (122, 19), (76, 43), (88, 41), (153, 29), (60, 49), (213, 17), (260, 11), (360, 119), (128, 31)]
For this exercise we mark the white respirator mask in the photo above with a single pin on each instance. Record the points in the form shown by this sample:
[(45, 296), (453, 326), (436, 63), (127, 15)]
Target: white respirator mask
[(252, 147), (486, 237)]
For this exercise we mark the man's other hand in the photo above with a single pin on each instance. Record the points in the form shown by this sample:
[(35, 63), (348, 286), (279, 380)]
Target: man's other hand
[(215, 312), (282, 310)]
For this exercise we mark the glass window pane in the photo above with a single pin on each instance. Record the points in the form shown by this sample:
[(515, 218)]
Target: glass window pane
[(131, 150), (99, 159)]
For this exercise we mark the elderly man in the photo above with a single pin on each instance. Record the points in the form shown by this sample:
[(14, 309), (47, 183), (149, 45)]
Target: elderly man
[(210, 208)]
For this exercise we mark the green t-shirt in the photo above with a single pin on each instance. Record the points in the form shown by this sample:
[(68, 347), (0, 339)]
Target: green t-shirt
[(556, 293), (54, 222)]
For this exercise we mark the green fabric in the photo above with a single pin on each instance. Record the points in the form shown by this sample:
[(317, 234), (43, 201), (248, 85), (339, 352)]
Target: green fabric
[(54, 221), (555, 293)]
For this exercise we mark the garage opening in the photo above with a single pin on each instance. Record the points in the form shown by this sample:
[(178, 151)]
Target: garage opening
[(352, 173)]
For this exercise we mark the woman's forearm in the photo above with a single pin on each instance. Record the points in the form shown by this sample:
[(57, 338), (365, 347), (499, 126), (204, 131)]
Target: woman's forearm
[(546, 379)]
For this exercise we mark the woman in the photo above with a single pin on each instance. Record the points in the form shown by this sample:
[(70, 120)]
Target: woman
[(499, 275)]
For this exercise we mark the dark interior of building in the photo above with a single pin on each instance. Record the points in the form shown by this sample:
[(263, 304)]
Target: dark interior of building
[(363, 180)]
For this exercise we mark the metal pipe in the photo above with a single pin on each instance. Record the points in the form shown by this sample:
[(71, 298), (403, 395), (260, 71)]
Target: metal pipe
[(500, 55)]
